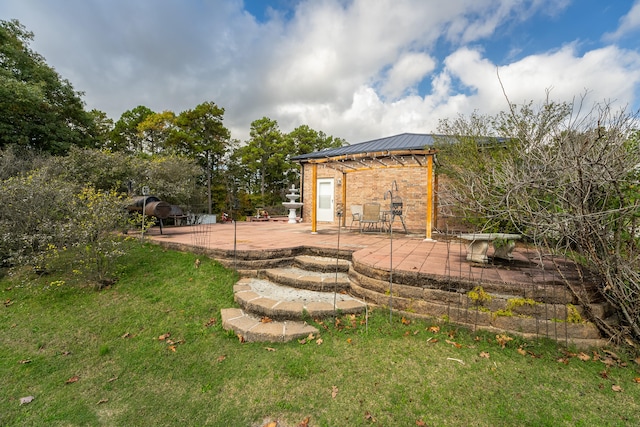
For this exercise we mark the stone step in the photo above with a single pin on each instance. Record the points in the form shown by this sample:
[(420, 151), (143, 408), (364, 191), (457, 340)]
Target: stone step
[(321, 263), (255, 329), (309, 280), (265, 298)]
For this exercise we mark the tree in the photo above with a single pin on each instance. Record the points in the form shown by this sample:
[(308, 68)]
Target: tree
[(155, 131), (303, 140), (200, 135), (264, 157), (569, 183), (125, 136), (38, 109)]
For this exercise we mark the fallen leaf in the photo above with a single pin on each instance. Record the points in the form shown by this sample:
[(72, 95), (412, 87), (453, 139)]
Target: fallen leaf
[(66, 353), (369, 417), (584, 357), (270, 349), (434, 329), (484, 354), (636, 380), (503, 340), (172, 348), (334, 392), (604, 374), (421, 423), (73, 379), (348, 340), (405, 321), (110, 380), (240, 338), (453, 343), (304, 423), (612, 354), (210, 322), (25, 400), (616, 388), (456, 360), (24, 361), (266, 319), (608, 361), (272, 424), (101, 401), (221, 358), (127, 335), (164, 336), (564, 360), (522, 351), (637, 360), (311, 337), (303, 341), (319, 341), (416, 332)]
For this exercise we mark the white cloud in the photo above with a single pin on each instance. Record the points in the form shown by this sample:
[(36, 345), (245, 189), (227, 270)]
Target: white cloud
[(629, 23), (349, 68)]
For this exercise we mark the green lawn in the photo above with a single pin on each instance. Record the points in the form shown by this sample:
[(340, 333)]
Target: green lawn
[(96, 358)]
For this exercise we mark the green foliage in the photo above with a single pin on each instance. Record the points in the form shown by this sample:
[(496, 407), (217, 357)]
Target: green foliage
[(125, 136), (39, 109), (479, 296)]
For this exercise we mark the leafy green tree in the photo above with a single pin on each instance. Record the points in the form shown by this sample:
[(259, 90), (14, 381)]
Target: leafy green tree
[(264, 156), (201, 135), (125, 136), (38, 109), (303, 140), (155, 131), (103, 127)]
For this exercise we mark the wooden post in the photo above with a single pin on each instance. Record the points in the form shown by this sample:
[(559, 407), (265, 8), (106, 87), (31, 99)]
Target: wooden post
[(429, 196), (314, 197), (344, 200)]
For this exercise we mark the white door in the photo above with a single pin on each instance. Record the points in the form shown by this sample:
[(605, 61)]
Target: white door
[(325, 200)]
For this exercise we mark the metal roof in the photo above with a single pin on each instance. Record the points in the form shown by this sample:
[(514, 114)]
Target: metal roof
[(404, 141)]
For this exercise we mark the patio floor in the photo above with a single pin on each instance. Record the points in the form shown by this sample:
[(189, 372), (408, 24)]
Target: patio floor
[(401, 252)]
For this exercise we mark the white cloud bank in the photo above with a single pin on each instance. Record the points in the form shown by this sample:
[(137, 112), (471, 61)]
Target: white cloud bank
[(357, 69)]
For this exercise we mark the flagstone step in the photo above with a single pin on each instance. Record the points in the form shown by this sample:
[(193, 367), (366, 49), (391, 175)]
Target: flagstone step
[(265, 298), (251, 328), (321, 263), (310, 280)]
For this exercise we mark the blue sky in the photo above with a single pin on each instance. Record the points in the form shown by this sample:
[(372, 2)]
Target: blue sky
[(357, 69)]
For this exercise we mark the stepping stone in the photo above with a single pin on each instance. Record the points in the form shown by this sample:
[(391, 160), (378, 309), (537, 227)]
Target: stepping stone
[(253, 329), (265, 298)]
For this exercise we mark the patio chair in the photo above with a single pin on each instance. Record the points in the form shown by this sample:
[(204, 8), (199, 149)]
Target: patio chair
[(370, 217), (356, 215)]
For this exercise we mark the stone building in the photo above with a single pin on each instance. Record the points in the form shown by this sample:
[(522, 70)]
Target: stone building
[(401, 167)]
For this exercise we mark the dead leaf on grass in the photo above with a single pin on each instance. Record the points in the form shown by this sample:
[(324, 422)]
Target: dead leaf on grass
[(172, 348), (164, 336), (434, 329), (221, 358), (305, 422), (564, 360), (334, 391), (126, 335), (453, 343), (210, 322), (25, 400), (101, 401), (319, 341), (270, 349), (637, 360), (503, 340), (604, 374), (110, 380), (241, 338), (616, 388), (522, 351), (421, 423), (584, 357), (73, 379), (636, 380), (485, 354), (369, 417), (272, 424), (406, 321), (24, 361)]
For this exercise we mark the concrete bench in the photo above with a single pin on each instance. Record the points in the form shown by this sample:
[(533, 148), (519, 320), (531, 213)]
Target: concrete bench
[(503, 245)]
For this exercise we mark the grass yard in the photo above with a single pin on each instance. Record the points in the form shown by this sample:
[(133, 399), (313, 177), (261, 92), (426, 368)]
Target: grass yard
[(150, 351)]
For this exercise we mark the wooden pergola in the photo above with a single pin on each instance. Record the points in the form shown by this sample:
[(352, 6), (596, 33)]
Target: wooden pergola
[(401, 151)]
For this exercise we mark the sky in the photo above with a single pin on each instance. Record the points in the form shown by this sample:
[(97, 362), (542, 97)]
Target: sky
[(354, 69)]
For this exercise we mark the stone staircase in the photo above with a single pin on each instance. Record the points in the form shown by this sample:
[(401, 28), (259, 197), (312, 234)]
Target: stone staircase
[(275, 303)]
